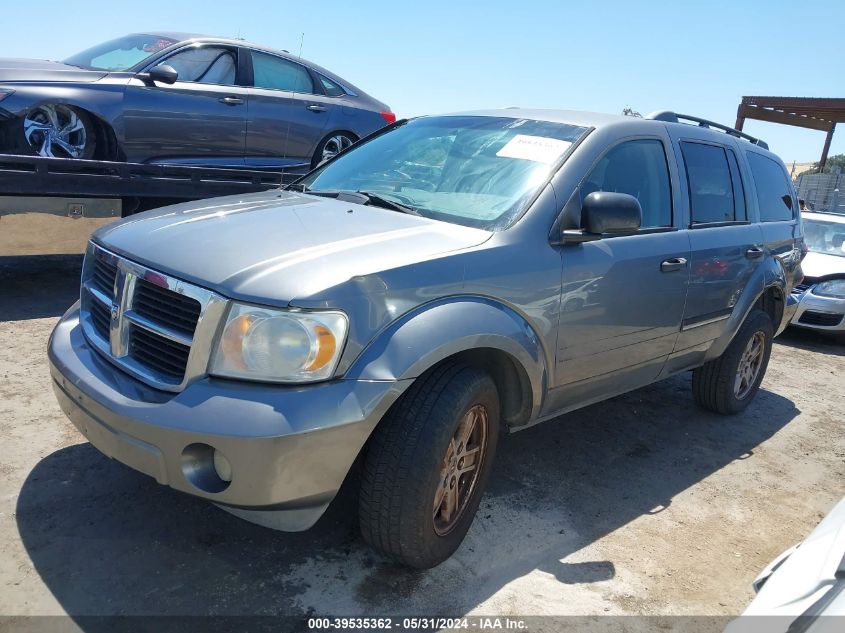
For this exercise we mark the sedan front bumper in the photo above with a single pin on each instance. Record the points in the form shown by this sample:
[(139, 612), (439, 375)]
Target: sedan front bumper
[(825, 314), (289, 448)]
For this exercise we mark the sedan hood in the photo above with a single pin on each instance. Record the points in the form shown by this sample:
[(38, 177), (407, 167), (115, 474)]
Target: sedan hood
[(816, 265), (44, 70), (276, 246)]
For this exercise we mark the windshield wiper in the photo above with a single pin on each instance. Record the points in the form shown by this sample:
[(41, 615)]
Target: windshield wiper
[(386, 203), (356, 197)]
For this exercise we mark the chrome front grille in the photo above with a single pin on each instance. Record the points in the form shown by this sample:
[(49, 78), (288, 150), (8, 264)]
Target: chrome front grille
[(155, 327)]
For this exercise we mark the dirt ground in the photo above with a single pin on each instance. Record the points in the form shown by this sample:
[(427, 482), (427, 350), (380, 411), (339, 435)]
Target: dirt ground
[(640, 505)]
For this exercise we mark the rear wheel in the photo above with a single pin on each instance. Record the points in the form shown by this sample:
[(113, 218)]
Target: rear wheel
[(729, 383), (427, 466), (56, 131), (330, 147)]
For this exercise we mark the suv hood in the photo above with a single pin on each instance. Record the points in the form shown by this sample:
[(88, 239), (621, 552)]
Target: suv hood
[(44, 70), (815, 265), (275, 246)]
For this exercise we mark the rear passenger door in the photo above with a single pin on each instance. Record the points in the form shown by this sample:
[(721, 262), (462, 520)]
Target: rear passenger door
[(777, 207), (288, 113), (726, 243)]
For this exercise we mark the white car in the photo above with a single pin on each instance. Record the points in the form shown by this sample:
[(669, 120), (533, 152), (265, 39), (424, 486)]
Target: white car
[(822, 292), (803, 589)]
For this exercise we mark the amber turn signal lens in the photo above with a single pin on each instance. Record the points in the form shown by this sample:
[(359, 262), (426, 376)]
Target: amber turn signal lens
[(326, 348)]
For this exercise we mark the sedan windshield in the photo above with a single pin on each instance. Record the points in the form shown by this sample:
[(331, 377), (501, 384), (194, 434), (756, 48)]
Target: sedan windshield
[(825, 237), (472, 170), (120, 54)]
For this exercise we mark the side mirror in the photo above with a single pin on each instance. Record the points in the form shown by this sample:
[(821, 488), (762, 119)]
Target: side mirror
[(606, 213), (163, 74)]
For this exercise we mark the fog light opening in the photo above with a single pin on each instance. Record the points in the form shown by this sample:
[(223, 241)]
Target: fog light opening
[(206, 468), (222, 466)]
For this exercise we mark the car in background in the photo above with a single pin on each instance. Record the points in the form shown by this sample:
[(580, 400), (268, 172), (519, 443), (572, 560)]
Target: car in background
[(803, 588), (822, 292), (186, 99)]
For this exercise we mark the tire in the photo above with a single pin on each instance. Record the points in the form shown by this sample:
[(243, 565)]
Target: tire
[(715, 384), (55, 131), (330, 146), (406, 464)]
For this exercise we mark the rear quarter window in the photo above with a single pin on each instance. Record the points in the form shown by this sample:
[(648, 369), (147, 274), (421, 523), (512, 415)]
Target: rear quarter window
[(774, 193)]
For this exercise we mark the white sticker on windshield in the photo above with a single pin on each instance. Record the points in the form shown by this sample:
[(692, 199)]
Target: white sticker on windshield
[(540, 149)]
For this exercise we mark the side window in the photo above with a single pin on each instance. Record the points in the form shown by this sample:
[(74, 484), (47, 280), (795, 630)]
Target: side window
[(205, 65), (710, 184), (773, 191), (332, 89), (276, 73), (638, 168)]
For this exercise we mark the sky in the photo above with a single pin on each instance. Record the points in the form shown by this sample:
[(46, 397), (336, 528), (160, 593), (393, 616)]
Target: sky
[(695, 57)]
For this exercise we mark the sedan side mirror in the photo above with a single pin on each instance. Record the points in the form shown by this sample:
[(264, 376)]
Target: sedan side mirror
[(163, 74), (605, 213)]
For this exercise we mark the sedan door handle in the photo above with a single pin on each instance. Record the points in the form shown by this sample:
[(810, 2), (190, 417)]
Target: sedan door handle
[(672, 264), (315, 107), (232, 100), (755, 252)]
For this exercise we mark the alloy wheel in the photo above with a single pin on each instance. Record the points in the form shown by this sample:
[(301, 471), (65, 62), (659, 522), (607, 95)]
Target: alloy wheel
[(55, 131), (460, 469), (334, 146), (749, 365)]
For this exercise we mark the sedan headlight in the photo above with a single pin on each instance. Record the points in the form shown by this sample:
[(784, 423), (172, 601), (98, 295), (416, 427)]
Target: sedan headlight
[(279, 345), (833, 288), (6, 92)]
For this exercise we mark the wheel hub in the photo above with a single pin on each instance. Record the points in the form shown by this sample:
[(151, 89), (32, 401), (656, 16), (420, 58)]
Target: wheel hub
[(749, 365), (460, 469), (55, 131)]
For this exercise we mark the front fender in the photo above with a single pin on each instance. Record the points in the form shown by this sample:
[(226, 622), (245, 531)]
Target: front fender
[(432, 332)]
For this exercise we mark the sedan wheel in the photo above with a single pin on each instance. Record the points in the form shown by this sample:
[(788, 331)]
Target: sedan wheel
[(57, 131), (331, 147)]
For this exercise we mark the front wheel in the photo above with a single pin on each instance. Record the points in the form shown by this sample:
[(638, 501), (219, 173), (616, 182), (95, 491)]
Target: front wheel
[(427, 466), (729, 383), (56, 131)]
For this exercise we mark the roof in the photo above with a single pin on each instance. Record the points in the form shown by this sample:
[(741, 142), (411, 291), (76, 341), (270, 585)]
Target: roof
[(570, 117)]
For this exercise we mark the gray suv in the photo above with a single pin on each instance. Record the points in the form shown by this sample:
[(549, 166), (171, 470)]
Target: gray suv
[(450, 278)]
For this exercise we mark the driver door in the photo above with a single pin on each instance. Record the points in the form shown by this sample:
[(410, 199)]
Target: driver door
[(199, 120)]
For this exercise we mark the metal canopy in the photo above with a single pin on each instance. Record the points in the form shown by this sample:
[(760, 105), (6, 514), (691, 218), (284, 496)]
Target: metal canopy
[(807, 112)]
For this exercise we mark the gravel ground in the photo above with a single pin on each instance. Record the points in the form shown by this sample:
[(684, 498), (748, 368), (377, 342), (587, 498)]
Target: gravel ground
[(640, 505)]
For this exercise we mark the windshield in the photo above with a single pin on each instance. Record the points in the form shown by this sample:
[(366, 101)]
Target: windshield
[(120, 54), (825, 237), (471, 170)]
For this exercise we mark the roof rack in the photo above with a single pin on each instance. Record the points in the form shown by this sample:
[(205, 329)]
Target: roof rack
[(674, 117)]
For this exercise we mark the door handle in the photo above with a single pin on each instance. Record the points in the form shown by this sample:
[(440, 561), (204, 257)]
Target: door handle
[(755, 252), (315, 107), (231, 100), (673, 264)]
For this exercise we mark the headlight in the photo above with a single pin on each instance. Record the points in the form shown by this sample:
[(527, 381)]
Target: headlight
[(279, 345), (833, 288), (6, 92)]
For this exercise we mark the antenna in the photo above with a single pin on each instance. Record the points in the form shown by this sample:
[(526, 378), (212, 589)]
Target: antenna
[(301, 42)]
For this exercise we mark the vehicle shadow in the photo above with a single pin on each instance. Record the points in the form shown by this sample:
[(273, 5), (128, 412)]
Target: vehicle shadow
[(107, 540), (811, 341), (39, 286)]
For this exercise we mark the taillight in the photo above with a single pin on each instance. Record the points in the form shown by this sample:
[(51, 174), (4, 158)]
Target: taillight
[(388, 116)]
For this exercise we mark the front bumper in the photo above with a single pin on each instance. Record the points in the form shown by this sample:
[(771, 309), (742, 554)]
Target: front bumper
[(824, 314), (290, 448)]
